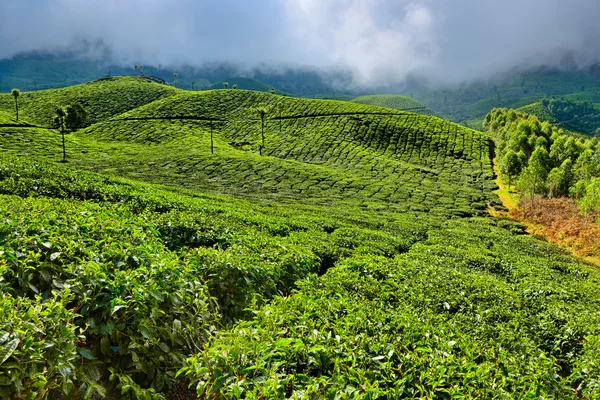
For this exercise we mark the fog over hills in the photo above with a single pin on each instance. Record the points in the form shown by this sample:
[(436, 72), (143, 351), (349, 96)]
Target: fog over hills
[(380, 41)]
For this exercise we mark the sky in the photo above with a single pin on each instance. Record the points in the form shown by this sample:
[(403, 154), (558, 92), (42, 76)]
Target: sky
[(380, 41)]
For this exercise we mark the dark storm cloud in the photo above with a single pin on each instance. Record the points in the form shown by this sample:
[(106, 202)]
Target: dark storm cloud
[(382, 41)]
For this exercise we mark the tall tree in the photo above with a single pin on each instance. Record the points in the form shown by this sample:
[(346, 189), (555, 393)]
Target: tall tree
[(510, 165), (16, 93), (175, 77), (60, 121), (225, 85)]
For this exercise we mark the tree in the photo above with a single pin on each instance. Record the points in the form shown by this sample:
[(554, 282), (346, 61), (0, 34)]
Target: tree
[(193, 84), (175, 77), (590, 202), (273, 91), (510, 165), (225, 85), (235, 86), (76, 117), (16, 93), (262, 113), (60, 121), (533, 178)]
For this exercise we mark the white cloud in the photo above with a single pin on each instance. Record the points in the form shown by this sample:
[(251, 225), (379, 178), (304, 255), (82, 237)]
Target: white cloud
[(382, 41)]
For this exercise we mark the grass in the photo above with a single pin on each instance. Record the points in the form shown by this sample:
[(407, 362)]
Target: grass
[(354, 258)]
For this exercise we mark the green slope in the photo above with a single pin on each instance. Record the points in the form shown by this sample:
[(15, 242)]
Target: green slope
[(103, 99), (316, 151), (9, 119), (394, 101), (474, 100), (539, 111)]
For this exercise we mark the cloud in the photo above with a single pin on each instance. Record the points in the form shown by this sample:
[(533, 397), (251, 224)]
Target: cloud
[(381, 41)]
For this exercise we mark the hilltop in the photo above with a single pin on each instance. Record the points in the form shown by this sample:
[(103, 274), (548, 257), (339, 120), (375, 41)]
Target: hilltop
[(103, 99), (350, 254)]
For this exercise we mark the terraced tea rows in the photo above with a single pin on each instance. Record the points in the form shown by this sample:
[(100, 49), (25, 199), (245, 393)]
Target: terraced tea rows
[(396, 102), (350, 151)]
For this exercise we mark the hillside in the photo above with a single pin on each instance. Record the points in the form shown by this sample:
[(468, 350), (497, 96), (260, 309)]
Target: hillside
[(9, 119), (351, 256), (103, 99), (574, 115), (474, 100), (314, 151), (394, 101)]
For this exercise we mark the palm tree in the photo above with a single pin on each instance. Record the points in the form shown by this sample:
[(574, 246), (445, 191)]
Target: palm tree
[(262, 112), (16, 93), (60, 120), (226, 84)]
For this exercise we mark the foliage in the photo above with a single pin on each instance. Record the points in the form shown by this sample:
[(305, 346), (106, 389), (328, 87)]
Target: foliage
[(579, 116), (76, 116), (38, 350), (555, 162), (447, 318)]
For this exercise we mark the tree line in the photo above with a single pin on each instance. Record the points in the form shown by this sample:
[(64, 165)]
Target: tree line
[(544, 160)]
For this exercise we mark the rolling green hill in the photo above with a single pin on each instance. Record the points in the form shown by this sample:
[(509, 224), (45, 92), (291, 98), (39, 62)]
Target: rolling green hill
[(350, 257), (574, 115), (103, 99), (473, 101), (394, 101), (314, 150)]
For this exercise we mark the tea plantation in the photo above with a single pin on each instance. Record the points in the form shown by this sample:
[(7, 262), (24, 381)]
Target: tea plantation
[(350, 256), (395, 101)]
